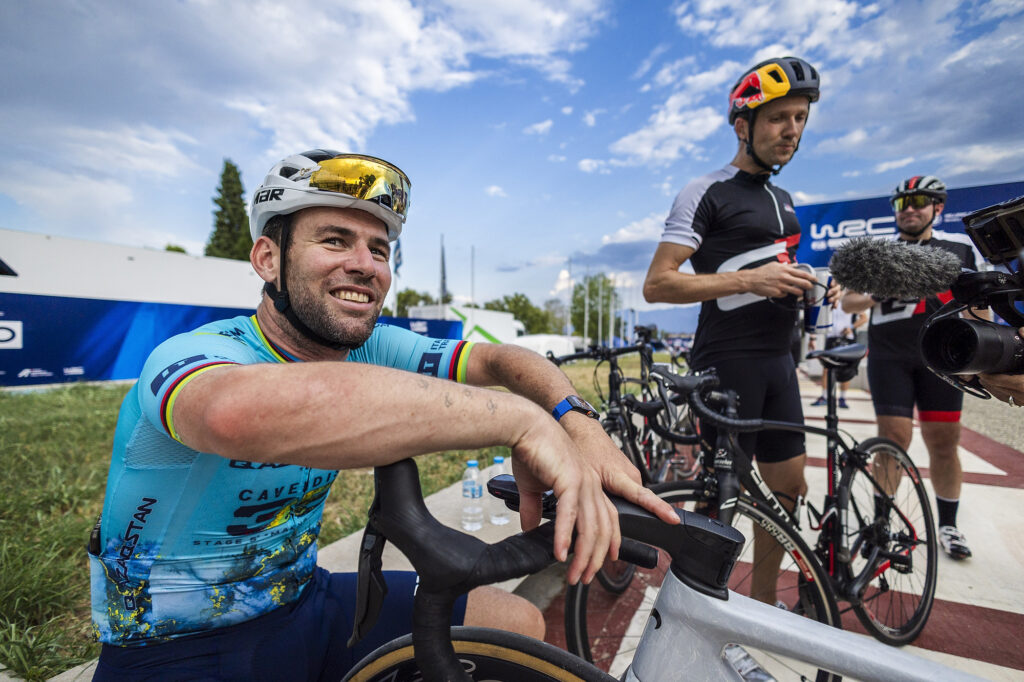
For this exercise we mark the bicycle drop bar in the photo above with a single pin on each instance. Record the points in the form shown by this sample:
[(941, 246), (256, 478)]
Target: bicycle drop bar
[(450, 563), (595, 353), (650, 409), (504, 488)]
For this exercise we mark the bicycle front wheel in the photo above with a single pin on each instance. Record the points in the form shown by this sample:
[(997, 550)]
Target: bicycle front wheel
[(893, 544), (605, 628), (485, 654)]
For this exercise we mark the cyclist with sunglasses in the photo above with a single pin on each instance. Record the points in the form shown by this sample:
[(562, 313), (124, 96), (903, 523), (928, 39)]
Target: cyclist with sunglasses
[(740, 233), (897, 375), (204, 562)]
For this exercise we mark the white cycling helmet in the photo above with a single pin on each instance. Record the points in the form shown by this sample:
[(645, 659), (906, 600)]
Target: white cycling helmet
[(324, 177)]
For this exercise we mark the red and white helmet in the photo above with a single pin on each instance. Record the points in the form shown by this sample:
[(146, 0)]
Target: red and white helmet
[(324, 177)]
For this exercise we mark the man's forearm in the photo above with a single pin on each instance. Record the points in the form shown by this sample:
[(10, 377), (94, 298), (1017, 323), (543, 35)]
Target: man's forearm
[(521, 371), (683, 287), (335, 415)]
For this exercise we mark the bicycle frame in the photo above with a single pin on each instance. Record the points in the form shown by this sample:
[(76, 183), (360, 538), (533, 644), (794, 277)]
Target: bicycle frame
[(706, 624)]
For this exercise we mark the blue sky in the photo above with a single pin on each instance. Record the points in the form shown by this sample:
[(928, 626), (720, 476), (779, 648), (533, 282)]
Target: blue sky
[(534, 131)]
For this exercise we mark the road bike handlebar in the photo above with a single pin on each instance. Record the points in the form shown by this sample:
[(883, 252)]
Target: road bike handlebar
[(450, 563), (596, 353)]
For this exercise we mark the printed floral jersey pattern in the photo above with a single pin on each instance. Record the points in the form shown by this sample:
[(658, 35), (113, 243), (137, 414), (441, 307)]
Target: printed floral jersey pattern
[(191, 541)]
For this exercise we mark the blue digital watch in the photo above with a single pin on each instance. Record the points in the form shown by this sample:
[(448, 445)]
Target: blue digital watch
[(574, 403)]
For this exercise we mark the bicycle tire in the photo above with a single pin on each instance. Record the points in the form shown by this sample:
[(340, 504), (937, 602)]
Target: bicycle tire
[(594, 620), (486, 654), (896, 603)]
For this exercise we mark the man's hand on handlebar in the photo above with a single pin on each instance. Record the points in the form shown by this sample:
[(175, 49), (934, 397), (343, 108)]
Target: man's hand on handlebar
[(546, 458), (618, 475)]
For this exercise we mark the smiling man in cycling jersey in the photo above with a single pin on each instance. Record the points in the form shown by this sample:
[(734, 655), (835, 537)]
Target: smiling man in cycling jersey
[(226, 448), (740, 232)]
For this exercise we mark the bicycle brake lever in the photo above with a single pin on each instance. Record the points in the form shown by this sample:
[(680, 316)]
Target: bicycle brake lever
[(370, 585)]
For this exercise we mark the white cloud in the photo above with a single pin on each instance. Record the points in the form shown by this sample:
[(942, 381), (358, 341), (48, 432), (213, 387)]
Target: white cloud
[(649, 61), (974, 158), (593, 166), (590, 117), (851, 141), (672, 128), (126, 150), (541, 128), (802, 198), (892, 165), (566, 110), (666, 187), (563, 283), (645, 229), (495, 191), (556, 158), (65, 197)]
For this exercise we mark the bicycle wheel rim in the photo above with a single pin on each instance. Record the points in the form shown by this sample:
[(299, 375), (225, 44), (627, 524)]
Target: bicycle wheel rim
[(896, 602), (606, 629), (485, 654)]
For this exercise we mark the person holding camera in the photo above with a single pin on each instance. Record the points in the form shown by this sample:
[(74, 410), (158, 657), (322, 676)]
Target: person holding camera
[(1006, 387), (897, 375)]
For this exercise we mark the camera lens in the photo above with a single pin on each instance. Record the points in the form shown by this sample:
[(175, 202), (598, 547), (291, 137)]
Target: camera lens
[(962, 346)]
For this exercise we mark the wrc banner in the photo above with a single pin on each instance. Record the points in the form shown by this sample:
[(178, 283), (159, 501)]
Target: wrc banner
[(826, 226)]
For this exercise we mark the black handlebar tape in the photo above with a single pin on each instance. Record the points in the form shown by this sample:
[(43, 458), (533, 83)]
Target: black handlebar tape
[(650, 409), (728, 423), (638, 553)]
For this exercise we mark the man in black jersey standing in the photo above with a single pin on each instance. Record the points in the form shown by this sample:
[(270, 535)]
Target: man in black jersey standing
[(897, 375), (740, 232)]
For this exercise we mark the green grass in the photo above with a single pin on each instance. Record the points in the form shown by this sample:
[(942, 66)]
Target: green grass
[(54, 451)]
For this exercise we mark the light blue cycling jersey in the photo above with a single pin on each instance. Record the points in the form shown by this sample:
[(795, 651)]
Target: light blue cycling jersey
[(192, 541)]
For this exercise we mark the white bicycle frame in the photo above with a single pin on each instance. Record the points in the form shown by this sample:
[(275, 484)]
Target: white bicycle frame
[(687, 632)]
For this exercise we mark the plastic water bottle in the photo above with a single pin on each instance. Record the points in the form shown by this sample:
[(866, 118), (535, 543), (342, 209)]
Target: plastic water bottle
[(499, 512), (472, 492)]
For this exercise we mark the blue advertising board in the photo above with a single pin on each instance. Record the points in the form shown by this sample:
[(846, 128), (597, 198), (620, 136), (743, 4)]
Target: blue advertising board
[(56, 339), (827, 226), (438, 329)]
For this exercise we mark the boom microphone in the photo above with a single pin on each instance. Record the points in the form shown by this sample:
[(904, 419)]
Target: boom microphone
[(893, 269)]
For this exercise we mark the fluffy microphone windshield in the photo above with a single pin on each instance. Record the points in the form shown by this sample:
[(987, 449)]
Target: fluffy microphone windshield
[(893, 269)]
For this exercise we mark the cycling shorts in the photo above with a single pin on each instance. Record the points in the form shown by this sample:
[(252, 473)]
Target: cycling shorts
[(897, 385), (768, 389), (304, 640)]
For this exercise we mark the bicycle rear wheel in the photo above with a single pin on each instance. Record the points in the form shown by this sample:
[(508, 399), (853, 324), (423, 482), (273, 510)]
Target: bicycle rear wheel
[(892, 541), (605, 628), (486, 655)]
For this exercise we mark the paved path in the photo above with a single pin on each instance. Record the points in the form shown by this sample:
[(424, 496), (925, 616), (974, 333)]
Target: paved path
[(977, 622)]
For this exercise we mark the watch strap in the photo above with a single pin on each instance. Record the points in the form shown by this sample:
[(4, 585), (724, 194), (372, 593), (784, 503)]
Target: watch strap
[(566, 405)]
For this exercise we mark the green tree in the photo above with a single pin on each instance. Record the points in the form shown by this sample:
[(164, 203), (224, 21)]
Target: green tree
[(175, 248), (407, 298), (230, 237), (599, 288), (536, 320), (555, 308)]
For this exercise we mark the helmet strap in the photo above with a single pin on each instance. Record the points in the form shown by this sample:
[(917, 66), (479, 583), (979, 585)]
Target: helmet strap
[(282, 302), (750, 146)]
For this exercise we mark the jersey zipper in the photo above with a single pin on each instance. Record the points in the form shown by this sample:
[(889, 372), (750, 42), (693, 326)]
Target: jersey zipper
[(782, 229)]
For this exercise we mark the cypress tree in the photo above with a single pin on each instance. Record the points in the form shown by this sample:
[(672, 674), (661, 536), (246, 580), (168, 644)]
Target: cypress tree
[(230, 237)]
